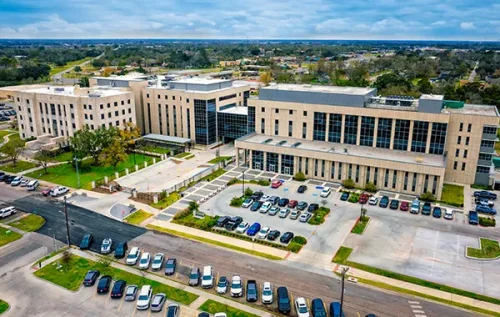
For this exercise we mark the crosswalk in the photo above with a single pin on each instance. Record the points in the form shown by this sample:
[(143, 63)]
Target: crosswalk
[(417, 308)]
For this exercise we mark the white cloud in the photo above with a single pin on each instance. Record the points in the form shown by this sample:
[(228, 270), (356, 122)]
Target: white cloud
[(467, 25), (438, 23)]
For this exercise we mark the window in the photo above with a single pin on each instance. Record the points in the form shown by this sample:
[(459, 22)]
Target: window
[(467, 139), (102, 116), (123, 102), (173, 97), (159, 97), (419, 138), (375, 177), (117, 122), (147, 95), (262, 109), (84, 106), (335, 128), (129, 110), (394, 179), (166, 97), (109, 114), (386, 178), (128, 101), (459, 139), (438, 138), (350, 129), (109, 105), (276, 127), (116, 114), (290, 128), (455, 165), (276, 111), (401, 135), (461, 127), (91, 117), (332, 171), (319, 127), (187, 100), (304, 130), (116, 103), (305, 113), (123, 111), (465, 153), (290, 112), (101, 106), (488, 144), (263, 126), (414, 182), (90, 107), (339, 175), (469, 127), (86, 116), (225, 97), (366, 131), (490, 130), (463, 166), (457, 152), (485, 157), (482, 169), (405, 184), (384, 131)]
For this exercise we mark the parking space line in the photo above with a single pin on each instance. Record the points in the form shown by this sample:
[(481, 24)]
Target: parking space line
[(149, 312), (180, 262), (121, 303), (358, 314), (107, 299), (135, 310), (176, 275)]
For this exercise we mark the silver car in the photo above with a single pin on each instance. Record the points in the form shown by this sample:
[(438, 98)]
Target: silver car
[(131, 293), (158, 302), (157, 262), (106, 246)]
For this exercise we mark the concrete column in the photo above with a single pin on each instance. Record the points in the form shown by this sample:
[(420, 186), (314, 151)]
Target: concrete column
[(126, 171), (237, 157), (420, 183), (362, 175), (250, 159), (264, 161), (117, 175), (428, 141), (328, 166), (393, 129), (105, 179), (410, 136), (358, 133), (93, 184), (439, 184), (154, 160), (327, 129), (399, 180), (145, 164), (136, 168), (375, 133), (279, 164), (342, 129), (155, 199)]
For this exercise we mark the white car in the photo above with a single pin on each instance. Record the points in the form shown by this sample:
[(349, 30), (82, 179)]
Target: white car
[(267, 293), (301, 307), (106, 246), (263, 233), (247, 203), (274, 210), (284, 212), (133, 256), (144, 261), (236, 286), (448, 214), (16, 181), (24, 182), (59, 190), (7, 211), (326, 192), (220, 315), (305, 217), (373, 200), (144, 298), (265, 207), (264, 198), (157, 262), (242, 227)]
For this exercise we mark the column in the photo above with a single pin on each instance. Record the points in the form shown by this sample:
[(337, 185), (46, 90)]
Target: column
[(342, 130), (327, 128), (393, 129), (428, 141), (279, 164), (250, 159), (264, 161), (375, 133), (440, 183), (358, 132), (410, 136)]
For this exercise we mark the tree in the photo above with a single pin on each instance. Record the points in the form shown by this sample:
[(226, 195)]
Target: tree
[(92, 142), (427, 196), (370, 187), (299, 176), (248, 192), (13, 149), (348, 183), (193, 205), (114, 154), (265, 78), (255, 51), (43, 158), (363, 214), (84, 82), (424, 86), (77, 69)]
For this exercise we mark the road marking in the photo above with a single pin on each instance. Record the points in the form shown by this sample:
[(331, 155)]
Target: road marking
[(107, 299), (149, 312), (420, 315), (176, 275), (416, 306), (418, 312), (135, 310), (413, 302), (358, 314), (121, 303), (180, 262)]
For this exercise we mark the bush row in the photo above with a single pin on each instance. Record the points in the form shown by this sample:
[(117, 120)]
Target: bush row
[(487, 222)]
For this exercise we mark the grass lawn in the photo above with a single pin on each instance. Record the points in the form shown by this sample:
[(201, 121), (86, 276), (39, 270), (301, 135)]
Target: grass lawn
[(64, 157), (154, 149), (20, 166), (212, 307), (219, 159), (165, 202), (4, 306), (342, 255), (213, 175), (6, 238), (185, 155), (57, 69), (4, 133), (11, 138), (137, 217), (489, 250), (319, 215), (453, 195), (71, 274), (65, 174), (29, 223), (360, 226)]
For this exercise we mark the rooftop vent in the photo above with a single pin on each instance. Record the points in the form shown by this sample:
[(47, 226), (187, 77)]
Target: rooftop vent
[(95, 95), (280, 143), (296, 144), (267, 141), (59, 89)]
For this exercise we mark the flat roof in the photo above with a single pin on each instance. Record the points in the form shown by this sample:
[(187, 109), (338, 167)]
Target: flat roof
[(124, 77), (320, 88), (166, 138), (352, 150), (201, 80), (70, 91), (478, 110), (236, 110)]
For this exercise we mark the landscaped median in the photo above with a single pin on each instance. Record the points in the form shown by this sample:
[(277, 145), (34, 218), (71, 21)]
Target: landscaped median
[(29, 223), (4, 306), (8, 236), (489, 250), (137, 217), (360, 226), (213, 307)]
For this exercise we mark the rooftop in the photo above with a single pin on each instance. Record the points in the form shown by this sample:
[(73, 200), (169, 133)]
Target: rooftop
[(236, 110), (352, 150), (202, 80), (94, 92), (477, 110), (166, 138), (320, 88), (131, 77)]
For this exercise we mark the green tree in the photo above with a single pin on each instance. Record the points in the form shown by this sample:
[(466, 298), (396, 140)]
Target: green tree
[(248, 192), (424, 86), (13, 149), (114, 154), (427, 196), (77, 69), (84, 82), (370, 187), (265, 78), (43, 158), (348, 183), (193, 205), (299, 176)]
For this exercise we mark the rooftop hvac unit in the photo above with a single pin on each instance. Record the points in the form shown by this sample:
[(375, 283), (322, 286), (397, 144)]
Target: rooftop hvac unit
[(95, 95), (419, 159), (58, 89)]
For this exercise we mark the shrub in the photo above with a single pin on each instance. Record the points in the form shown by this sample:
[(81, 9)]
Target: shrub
[(236, 202), (233, 181), (487, 222), (427, 196), (294, 247), (183, 214), (348, 183), (248, 192), (264, 182), (371, 187), (299, 176), (193, 205), (319, 216), (300, 240), (353, 198)]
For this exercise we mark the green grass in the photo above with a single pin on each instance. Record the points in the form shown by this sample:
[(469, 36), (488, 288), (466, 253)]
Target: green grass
[(344, 252), (64, 157), (57, 69), (29, 223), (4, 306), (489, 250), (167, 201), (453, 195), (186, 218), (137, 217), (219, 159), (213, 242), (65, 174), (8, 236), (12, 138), (212, 307), (71, 274), (153, 149), (4, 133), (20, 167), (213, 175), (360, 226), (319, 215), (183, 155)]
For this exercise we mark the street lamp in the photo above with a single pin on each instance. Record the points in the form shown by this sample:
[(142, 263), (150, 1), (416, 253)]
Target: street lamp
[(243, 187), (77, 173), (67, 222), (344, 271)]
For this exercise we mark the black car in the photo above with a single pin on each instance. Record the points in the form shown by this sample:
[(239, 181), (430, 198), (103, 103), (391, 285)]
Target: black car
[(284, 305), (121, 250), (384, 202), (3, 176), (436, 213), (273, 235), (203, 314), (91, 277), (8, 179), (394, 204), (312, 207), (426, 208), (318, 308), (252, 291), (283, 202), (86, 241), (170, 266), (118, 289), (233, 223), (103, 285), (344, 196), (286, 237), (256, 195), (172, 310), (256, 206), (221, 222), (302, 189)]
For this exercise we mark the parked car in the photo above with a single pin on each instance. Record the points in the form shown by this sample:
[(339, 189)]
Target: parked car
[(276, 184), (194, 277), (158, 302), (415, 207), (312, 208), (267, 293), (103, 284), (273, 235), (46, 192), (252, 291), (7, 211), (32, 185), (294, 214), (301, 307), (24, 182), (173, 310), (344, 196), (233, 223), (264, 198), (273, 211), (256, 206), (325, 192), (144, 298), (302, 189), (404, 206), (283, 202), (207, 279), (59, 190), (274, 200), (302, 205), (106, 246), (131, 293), (335, 310), (145, 261), (118, 289), (254, 228), (426, 208), (292, 204), (16, 181), (394, 204), (121, 250), (236, 286), (318, 308), (221, 222), (91, 278), (86, 241), (436, 213), (384, 202), (170, 266), (284, 306), (133, 256), (222, 285), (484, 202), (485, 194), (363, 198), (473, 217), (265, 207), (247, 203), (284, 213), (373, 200), (256, 195), (242, 227), (286, 237), (157, 263), (486, 210), (448, 214), (263, 233), (8, 179), (305, 217)]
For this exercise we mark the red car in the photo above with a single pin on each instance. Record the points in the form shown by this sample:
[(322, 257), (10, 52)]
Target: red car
[(363, 199), (292, 203), (404, 206), (276, 184), (46, 192)]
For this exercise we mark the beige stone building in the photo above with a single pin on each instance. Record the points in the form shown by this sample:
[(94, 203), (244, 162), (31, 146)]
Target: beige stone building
[(398, 143)]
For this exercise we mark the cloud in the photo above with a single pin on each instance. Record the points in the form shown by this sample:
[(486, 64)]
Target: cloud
[(467, 25), (438, 23)]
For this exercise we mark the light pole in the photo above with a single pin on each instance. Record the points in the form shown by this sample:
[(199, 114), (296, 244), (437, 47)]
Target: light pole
[(243, 187), (77, 173), (344, 271), (67, 222)]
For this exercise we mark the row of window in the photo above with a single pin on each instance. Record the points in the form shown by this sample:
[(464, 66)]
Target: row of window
[(461, 127), (166, 97)]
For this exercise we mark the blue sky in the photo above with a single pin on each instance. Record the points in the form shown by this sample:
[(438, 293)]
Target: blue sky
[(252, 19)]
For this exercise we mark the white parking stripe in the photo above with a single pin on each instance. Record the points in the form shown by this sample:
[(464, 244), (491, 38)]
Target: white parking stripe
[(413, 302), (418, 312), (416, 306), (420, 315)]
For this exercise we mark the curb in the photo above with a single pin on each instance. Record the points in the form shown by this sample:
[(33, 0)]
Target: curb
[(480, 259)]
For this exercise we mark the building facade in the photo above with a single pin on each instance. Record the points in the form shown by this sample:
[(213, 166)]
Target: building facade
[(397, 143)]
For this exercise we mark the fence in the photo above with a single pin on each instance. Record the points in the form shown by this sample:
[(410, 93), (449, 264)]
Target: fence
[(189, 182)]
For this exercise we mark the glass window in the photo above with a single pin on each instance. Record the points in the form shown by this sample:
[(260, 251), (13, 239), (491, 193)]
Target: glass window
[(290, 128), (305, 113), (419, 138), (231, 126), (487, 143), (401, 135), (467, 139), (463, 166), (276, 111), (438, 138), (304, 130), (339, 176), (251, 119), (205, 121), (366, 131), (490, 130), (459, 139), (335, 128), (287, 164), (257, 160), (465, 153), (405, 185), (290, 112), (482, 169), (319, 128), (469, 127), (461, 128), (272, 162), (276, 127), (455, 165), (484, 156), (263, 126), (384, 131), (457, 152), (350, 129)]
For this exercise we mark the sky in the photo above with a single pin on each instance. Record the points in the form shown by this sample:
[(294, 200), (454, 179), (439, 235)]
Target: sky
[(252, 19)]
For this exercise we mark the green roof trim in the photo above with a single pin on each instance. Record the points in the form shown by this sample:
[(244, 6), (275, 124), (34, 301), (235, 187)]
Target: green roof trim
[(496, 161), (453, 104)]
